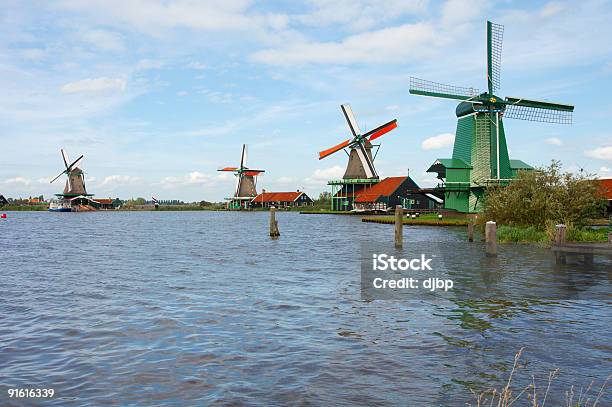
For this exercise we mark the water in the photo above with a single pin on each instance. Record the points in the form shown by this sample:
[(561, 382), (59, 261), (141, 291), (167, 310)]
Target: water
[(202, 308)]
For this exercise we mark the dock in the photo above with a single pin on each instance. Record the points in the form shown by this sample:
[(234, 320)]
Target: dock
[(585, 250)]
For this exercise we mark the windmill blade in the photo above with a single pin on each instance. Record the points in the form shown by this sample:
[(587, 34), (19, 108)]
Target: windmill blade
[(495, 38), (230, 169), (439, 90), (243, 157), (380, 130), (368, 165), (60, 174), (65, 157), (538, 111), (238, 181), (350, 118), (71, 166), (330, 151), (253, 173)]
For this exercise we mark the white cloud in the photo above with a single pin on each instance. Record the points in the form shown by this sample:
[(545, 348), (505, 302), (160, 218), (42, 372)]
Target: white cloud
[(115, 180), (392, 108), (600, 153), (104, 40), (439, 141), (326, 174), (554, 141), (193, 178), (17, 181), (197, 65), (604, 170), (286, 180), (96, 85), (399, 43), (552, 8)]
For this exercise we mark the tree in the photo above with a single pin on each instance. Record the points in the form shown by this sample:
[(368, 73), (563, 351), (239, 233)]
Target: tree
[(543, 197)]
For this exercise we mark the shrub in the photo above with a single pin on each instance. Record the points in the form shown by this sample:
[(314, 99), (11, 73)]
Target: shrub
[(542, 197)]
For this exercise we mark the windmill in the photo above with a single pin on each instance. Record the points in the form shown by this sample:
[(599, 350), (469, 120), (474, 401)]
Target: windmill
[(480, 152), (361, 161), (75, 184), (246, 182)]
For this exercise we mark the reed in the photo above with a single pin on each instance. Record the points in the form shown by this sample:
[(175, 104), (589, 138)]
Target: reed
[(532, 395)]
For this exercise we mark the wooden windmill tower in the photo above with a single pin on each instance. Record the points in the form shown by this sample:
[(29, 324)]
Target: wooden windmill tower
[(480, 153), (360, 171), (75, 184), (246, 182)]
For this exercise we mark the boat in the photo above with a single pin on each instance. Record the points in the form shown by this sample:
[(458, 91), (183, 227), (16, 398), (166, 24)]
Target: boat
[(61, 205)]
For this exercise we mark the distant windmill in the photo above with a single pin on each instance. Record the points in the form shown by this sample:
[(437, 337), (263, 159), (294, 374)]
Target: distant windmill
[(75, 184), (246, 182), (361, 162), (480, 153)]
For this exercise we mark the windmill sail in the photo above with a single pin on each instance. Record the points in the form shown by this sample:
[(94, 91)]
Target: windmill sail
[(361, 161)]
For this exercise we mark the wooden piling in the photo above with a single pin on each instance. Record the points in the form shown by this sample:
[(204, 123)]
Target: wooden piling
[(560, 234), (491, 238), (470, 231), (274, 232), (399, 231)]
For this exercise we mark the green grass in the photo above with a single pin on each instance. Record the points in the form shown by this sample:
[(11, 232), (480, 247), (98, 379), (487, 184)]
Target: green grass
[(426, 220), (513, 234), (509, 234), (24, 208)]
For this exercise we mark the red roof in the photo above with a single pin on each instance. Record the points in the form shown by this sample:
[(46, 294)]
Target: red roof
[(606, 185), (107, 201), (277, 197), (383, 188)]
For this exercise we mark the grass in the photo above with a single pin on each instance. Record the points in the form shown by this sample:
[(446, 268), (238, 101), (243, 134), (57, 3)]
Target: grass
[(515, 234), (533, 396), (510, 234), (430, 219), (24, 208)]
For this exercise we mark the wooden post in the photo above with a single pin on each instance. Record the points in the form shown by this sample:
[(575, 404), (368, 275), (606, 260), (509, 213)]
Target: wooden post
[(470, 231), (491, 238), (274, 232), (399, 231), (610, 237), (560, 233)]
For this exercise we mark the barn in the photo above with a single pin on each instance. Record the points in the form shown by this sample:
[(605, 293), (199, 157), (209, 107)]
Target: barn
[(394, 191), (281, 199)]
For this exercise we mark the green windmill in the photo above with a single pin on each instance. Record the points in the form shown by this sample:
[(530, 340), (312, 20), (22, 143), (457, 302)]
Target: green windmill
[(480, 153)]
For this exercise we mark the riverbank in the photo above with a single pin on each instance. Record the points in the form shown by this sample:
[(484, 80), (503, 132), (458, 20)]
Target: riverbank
[(425, 220)]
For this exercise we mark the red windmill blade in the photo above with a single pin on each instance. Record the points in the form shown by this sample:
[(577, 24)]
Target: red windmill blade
[(360, 142)]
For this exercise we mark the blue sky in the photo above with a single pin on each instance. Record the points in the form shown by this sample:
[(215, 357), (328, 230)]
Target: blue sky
[(159, 94)]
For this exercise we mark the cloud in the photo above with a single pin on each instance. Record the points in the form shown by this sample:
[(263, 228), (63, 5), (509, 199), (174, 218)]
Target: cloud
[(18, 181), (193, 178), (358, 14), (554, 141), (197, 65), (604, 170), (116, 180), (440, 141), (600, 153), (393, 44), (104, 40), (97, 85), (326, 174)]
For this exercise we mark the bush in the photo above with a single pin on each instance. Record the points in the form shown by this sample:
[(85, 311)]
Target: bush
[(543, 197)]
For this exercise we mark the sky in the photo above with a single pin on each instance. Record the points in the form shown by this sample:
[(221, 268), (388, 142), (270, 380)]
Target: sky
[(160, 94)]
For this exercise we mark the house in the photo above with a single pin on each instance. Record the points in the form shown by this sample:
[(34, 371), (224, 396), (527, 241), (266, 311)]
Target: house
[(3, 200), (606, 187), (394, 191), (281, 199), (109, 203)]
